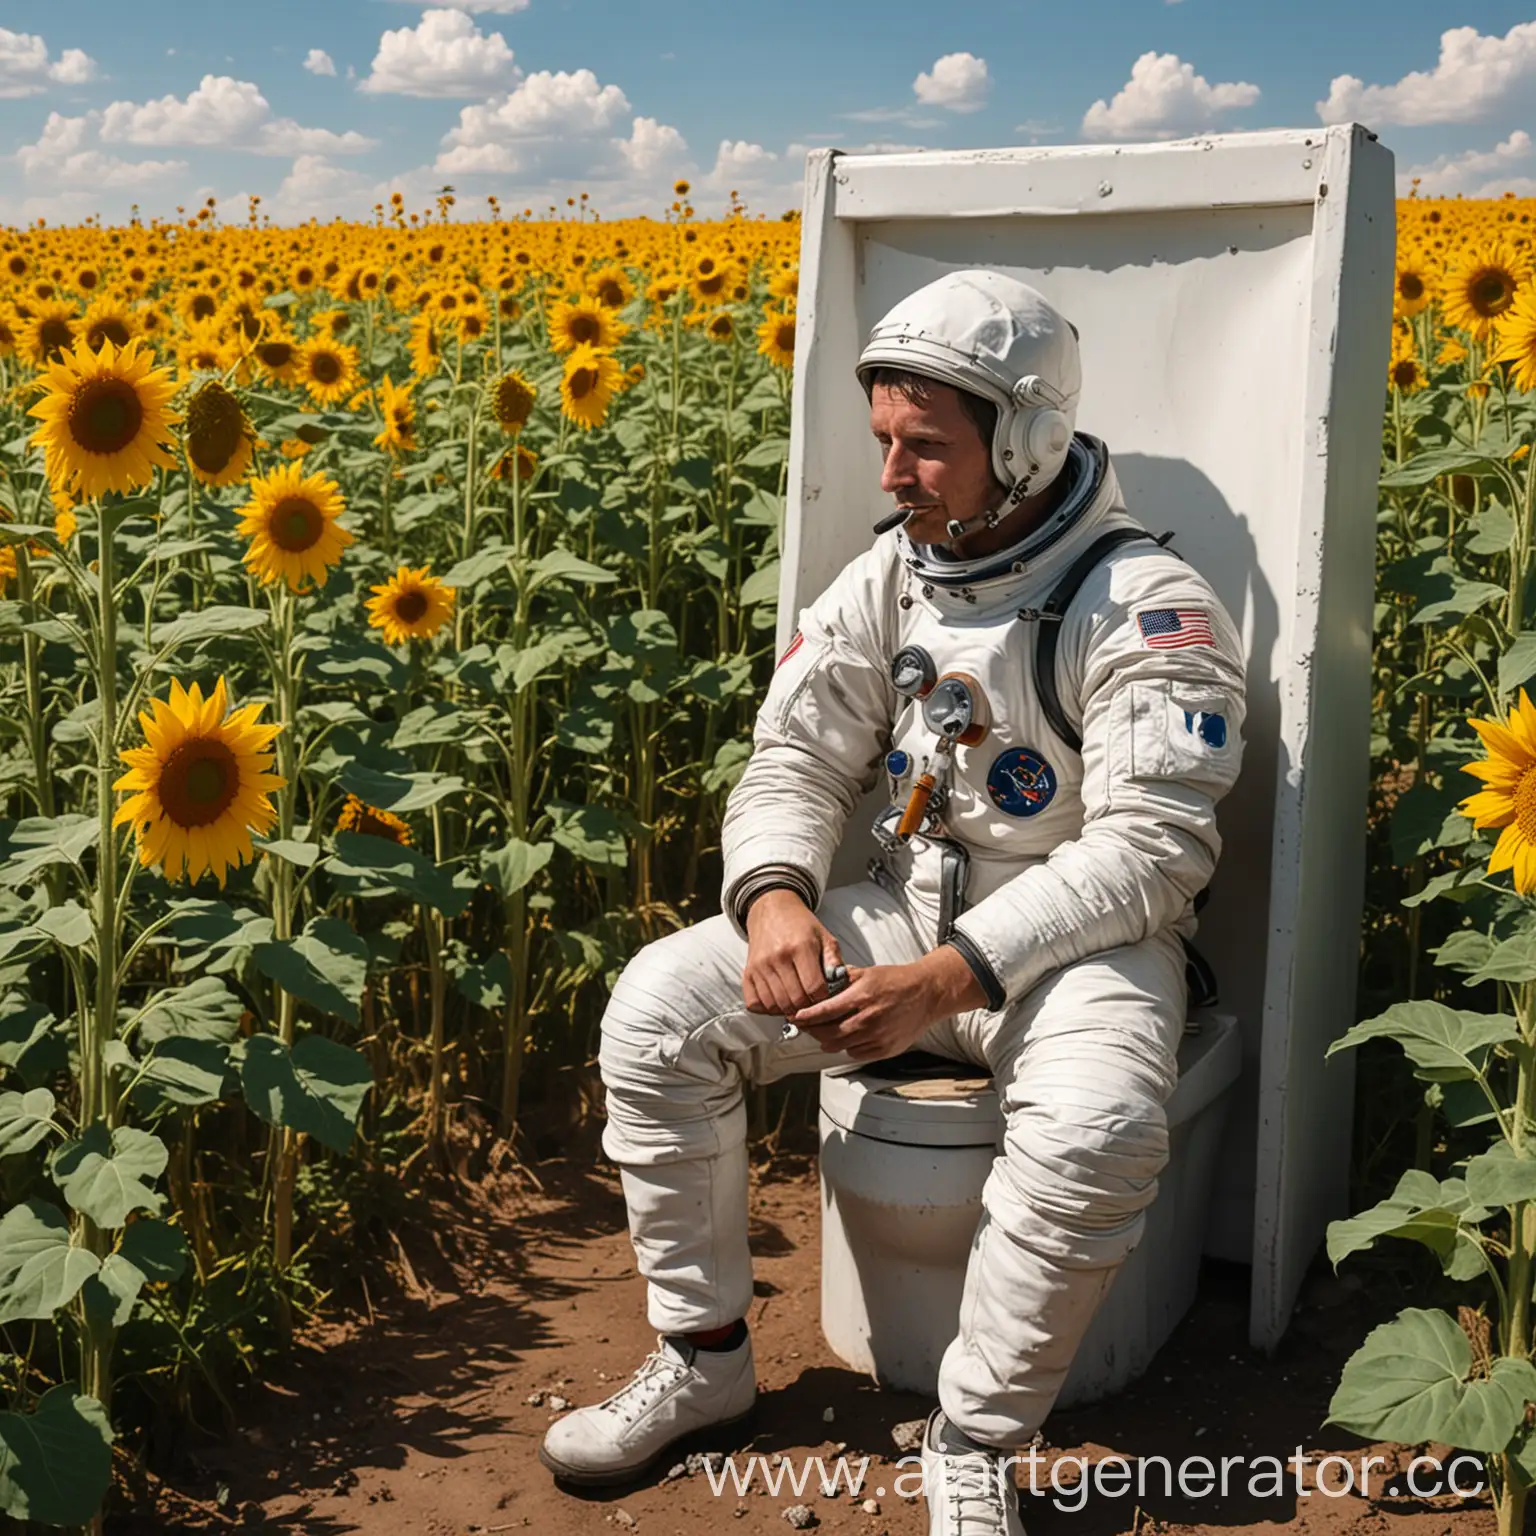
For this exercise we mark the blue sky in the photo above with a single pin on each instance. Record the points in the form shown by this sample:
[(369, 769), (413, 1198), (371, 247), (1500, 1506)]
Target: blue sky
[(324, 106)]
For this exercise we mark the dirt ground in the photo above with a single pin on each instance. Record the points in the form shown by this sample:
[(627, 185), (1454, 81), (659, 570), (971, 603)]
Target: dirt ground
[(427, 1419)]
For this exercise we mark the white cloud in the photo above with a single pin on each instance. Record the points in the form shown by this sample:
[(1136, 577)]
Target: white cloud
[(1475, 78), (550, 119), (1164, 98), (1469, 172), (65, 157), (25, 69), (225, 113), (651, 146), (908, 116), (958, 81), (319, 62), (446, 54)]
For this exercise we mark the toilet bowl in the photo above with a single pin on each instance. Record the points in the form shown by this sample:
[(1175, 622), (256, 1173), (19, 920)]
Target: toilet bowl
[(906, 1145)]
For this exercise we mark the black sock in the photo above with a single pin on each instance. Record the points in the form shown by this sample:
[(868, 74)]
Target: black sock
[(733, 1340)]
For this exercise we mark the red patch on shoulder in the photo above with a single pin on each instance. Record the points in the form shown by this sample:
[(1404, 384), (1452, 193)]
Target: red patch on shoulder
[(794, 645)]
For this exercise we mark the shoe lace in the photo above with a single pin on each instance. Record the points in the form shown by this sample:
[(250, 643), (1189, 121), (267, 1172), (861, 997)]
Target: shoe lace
[(646, 1386), (973, 1488)]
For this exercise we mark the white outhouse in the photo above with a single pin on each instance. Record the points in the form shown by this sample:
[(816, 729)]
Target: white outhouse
[(1233, 296)]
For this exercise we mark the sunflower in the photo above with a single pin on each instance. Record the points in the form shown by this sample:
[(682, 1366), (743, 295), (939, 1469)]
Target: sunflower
[(10, 328), (512, 401), (776, 339), (105, 419), (48, 333), (411, 605), (611, 287), (785, 285), (7, 566), (399, 412), (1405, 372), (277, 356), (1517, 341), (583, 324), (200, 784), (519, 461), (206, 349), (291, 523), (590, 381), (218, 435), (1480, 291), (711, 276), (426, 347), (358, 816), (328, 369), (108, 320), (196, 304), (1413, 292), (1508, 798), (334, 323), (719, 326)]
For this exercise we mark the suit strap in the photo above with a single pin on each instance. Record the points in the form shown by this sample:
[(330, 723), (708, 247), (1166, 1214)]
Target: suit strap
[(1051, 616)]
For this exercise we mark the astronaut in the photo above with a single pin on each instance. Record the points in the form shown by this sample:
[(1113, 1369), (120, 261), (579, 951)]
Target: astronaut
[(1055, 701)]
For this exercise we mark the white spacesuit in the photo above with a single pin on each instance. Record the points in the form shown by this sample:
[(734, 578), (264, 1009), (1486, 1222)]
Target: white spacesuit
[(1062, 859)]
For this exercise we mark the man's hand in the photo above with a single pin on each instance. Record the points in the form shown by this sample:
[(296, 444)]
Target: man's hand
[(788, 951), (885, 1008)]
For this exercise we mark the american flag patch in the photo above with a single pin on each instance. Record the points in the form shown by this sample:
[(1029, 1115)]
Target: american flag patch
[(1170, 629), (794, 645)]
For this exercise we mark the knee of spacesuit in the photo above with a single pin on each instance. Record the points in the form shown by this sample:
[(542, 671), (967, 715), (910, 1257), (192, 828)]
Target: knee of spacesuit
[(661, 1108), (1074, 1180)]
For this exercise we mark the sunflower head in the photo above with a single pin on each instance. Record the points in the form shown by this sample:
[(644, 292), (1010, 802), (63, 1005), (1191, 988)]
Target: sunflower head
[(411, 605), (200, 784), (290, 521), (1481, 290), (218, 435), (1508, 797), (105, 419), (591, 380), (512, 401), (368, 820)]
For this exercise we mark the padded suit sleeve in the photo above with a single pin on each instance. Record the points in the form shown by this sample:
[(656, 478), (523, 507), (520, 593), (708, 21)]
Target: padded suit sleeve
[(1157, 665), (819, 741)]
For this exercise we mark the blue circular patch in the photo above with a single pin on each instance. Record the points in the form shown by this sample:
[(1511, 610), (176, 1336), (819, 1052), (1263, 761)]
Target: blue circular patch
[(1021, 782)]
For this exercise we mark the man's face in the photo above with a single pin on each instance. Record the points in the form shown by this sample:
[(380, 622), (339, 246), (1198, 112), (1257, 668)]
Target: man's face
[(934, 459)]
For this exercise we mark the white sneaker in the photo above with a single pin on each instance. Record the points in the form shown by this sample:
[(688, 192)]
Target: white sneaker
[(969, 1492), (678, 1390)]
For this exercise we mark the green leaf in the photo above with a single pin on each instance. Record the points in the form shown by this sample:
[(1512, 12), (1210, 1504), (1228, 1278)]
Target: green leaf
[(1408, 1382), (1424, 467), (1442, 1043), (1513, 960), (397, 792), (1466, 597), (730, 763), (211, 936), (202, 1010), (717, 681), (39, 1269), (1465, 950), (433, 724), (56, 1462), (762, 586), (562, 565), (107, 1175), (509, 868), (68, 924), (487, 984), (185, 1072), (25, 1119), (324, 966), (290, 850), (375, 865), (32, 846), (473, 569), (1499, 1177), (155, 1248), (1495, 531), (216, 623), (1518, 664), (1418, 817), (318, 1087), (535, 660), (1419, 1209), (591, 832)]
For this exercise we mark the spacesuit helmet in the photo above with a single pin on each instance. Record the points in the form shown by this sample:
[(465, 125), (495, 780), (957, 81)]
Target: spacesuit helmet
[(993, 336)]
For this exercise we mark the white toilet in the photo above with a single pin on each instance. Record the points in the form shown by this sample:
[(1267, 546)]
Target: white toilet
[(906, 1145)]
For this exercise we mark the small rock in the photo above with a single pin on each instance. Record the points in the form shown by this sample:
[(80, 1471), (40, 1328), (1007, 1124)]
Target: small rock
[(535, 1399), (558, 1403), (699, 1461), (870, 1506), (801, 1516), (624, 1518), (827, 1415), (675, 1472), (739, 1511), (908, 1435)]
